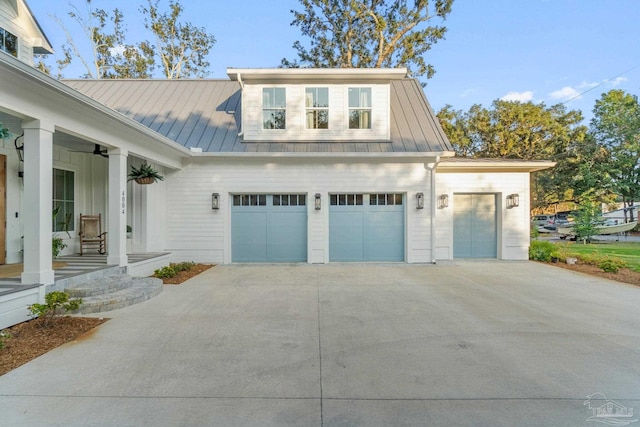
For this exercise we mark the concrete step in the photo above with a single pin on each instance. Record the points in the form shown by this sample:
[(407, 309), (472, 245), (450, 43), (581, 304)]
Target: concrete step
[(138, 289), (103, 285)]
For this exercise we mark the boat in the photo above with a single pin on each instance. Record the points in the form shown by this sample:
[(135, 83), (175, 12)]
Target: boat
[(610, 226)]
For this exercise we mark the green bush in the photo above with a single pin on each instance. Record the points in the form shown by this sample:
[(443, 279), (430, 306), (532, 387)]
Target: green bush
[(611, 264), (541, 250), (183, 266), (4, 336), (57, 245), (56, 304), (165, 272)]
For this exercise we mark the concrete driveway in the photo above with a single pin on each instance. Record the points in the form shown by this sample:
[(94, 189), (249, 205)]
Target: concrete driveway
[(464, 344)]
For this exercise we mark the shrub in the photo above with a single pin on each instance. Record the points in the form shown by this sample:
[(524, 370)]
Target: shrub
[(165, 272), (541, 250), (4, 336), (56, 304), (57, 245), (183, 266), (611, 264)]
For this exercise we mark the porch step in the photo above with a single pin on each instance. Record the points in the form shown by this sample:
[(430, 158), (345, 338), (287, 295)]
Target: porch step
[(114, 292)]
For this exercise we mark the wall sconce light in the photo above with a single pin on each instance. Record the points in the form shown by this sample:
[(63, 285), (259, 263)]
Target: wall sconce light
[(419, 200), (19, 148), (513, 201), (443, 201), (318, 201), (215, 201)]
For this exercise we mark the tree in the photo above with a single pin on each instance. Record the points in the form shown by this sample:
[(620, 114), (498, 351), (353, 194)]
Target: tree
[(369, 33), (528, 131), (616, 128), (111, 56), (182, 47)]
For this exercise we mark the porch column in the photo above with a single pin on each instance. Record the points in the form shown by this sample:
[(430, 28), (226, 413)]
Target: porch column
[(38, 201), (117, 237)]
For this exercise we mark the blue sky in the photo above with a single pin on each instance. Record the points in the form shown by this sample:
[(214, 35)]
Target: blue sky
[(530, 50)]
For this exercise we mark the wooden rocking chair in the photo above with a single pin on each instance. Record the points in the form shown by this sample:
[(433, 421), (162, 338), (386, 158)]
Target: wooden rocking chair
[(91, 235)]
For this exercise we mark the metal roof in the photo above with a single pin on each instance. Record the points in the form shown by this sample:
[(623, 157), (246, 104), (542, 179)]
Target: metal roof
[(206, 114)]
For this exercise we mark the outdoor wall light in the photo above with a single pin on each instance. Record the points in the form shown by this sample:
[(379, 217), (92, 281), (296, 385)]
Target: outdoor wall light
[(443, 201), (419, 200), (318, 201), (19, 148), (215, 201), (513, 201)]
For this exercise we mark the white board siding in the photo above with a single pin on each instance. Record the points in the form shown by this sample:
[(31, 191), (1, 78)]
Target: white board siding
[(20, 26), (295, 121), (196, 232), (513, 224)]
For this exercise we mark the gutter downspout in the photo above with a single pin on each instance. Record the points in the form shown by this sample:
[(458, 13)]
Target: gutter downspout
[(241, 104), (432, 168)]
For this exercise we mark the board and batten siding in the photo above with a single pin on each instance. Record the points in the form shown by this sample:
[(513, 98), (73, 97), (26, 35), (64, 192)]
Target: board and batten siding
[(295, 115), (512, 224), (195, 232)]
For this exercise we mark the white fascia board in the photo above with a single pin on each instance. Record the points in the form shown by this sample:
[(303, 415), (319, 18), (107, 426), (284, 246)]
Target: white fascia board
[(9, 64), (430, 156), (297, 74), (493, 166)]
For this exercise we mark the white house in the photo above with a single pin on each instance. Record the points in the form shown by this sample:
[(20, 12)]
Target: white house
[(269, 165)]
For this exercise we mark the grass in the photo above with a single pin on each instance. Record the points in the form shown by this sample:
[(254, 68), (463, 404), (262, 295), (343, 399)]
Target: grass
[(629, 252)]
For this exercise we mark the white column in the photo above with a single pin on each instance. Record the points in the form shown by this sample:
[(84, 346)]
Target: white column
[(38, 201), (117, 231)]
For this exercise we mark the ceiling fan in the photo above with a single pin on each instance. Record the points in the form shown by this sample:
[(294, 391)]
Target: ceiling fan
[(97, 150)]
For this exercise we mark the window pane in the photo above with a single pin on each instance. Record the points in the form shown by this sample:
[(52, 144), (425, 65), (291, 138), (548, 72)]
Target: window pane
[(309, 96), (373, 199), (276, 200), (359, 199), (323, 97), (262, 200), (302, 200), (365, 97), (68, 188), (342, 199), (334, 200), (398, 199), (236, 200), (322, 119), (354, 97), (285, 200), (245, 200), (280, 97)]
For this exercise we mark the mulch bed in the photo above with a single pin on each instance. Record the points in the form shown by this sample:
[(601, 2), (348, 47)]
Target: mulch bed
[(186, 275), (28, 340), (623, 275)]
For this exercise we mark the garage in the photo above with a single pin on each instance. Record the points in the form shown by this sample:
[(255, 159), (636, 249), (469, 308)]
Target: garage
[(269, 228), (474, 226), (366, 227)]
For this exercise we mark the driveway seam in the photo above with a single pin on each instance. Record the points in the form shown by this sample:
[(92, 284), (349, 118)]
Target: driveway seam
[(320, 352)]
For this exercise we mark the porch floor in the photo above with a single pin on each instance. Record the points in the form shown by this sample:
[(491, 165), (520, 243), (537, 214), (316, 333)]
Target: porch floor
[(76, 266)]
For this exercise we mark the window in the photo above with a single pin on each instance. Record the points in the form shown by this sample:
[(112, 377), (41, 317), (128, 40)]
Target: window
[(346, 200), (385, 199), (250, 200), (317, 104), (8, 42), (63, 200), (289, 200), (359, 108), (274, 111)]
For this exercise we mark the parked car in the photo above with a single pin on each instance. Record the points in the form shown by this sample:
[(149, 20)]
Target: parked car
[(542, 220)]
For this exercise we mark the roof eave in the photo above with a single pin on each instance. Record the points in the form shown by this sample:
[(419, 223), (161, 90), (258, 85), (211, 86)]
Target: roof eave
[(488, 166), (288, 74)]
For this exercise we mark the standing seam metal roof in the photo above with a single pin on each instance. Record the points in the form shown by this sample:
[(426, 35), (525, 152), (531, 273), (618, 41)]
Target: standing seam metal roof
[(206, 114)]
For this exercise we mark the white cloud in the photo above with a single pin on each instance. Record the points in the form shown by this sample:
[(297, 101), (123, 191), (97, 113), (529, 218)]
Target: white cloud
[(518, 96), (615, 82), (566, 92)]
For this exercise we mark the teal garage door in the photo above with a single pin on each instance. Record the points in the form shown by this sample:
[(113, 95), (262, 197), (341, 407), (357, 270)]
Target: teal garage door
[(366, 227), (474, 226), (269, 228)]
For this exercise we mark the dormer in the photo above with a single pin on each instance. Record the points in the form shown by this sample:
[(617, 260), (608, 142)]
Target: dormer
[(20, 34), (316, 104)]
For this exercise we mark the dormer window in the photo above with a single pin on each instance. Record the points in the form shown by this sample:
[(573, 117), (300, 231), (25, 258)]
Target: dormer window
[(8, 42), (317, 107), (359, 108), (274, 108)]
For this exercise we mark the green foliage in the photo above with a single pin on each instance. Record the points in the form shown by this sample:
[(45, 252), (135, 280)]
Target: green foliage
[(4, 336), (145, 171), (541, 250), (611, 265), (57, 245), (56, 304), (585, 220), (172, 269), (616, 128), (182, 47), (4, 132), (354, 34), (524, 130), (165, 272)]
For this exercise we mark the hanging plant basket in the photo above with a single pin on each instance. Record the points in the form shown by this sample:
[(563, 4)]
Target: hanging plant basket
[(145, 174), (145, 180)]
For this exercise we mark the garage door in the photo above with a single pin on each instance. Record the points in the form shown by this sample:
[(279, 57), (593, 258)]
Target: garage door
[(474, 226), (269, 228), (366, 227)]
